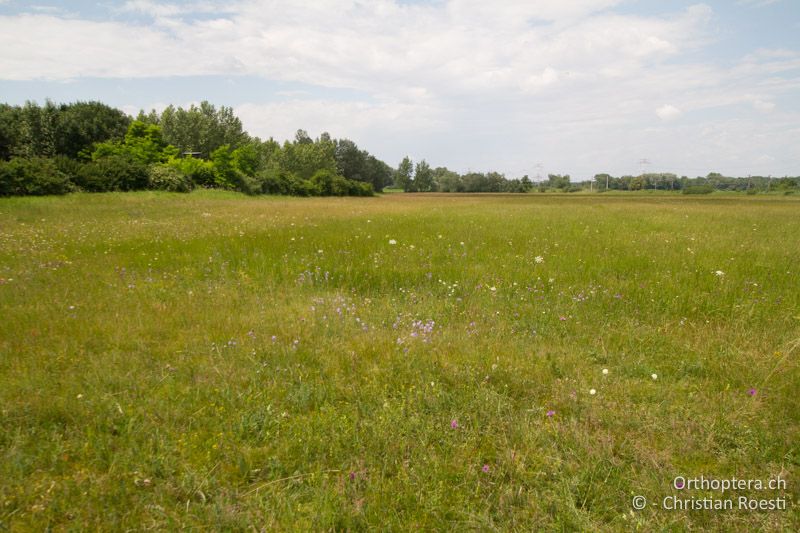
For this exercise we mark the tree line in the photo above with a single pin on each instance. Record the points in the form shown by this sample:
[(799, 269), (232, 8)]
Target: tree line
[(422, 178), (89, 146), (714, 181)]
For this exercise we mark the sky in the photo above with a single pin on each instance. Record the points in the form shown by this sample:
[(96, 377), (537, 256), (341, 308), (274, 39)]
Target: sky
[(521, 87)]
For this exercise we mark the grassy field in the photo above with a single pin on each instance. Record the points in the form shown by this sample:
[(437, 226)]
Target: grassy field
[(527, 362)]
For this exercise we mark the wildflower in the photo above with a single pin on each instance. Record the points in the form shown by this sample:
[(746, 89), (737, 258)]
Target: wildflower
[(592, 392), (719, 273), (454, 423), (485, 469), (539, 259), (392, 242), (492, 289), (654, 376), (562, 318), (352, 476), (550, 413), (605, 371), (751, 392)]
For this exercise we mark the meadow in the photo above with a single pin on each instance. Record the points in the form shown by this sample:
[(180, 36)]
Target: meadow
[(438, 362)]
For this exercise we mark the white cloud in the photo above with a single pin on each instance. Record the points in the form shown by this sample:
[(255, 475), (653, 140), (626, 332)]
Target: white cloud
[(758, 3), (465, 82), (668, 112), (763, 106), (361, 120)]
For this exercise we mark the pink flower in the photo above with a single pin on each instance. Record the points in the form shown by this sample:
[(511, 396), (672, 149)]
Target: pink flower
[(752, 392), (454, 423), (485, 469), (550, 413), (562, 318)]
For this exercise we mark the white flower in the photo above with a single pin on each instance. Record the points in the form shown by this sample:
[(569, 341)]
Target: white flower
[(539, 259), (719, 273), (654, 376), (592, 392), (492, 289), (392, 242), (605, 371)]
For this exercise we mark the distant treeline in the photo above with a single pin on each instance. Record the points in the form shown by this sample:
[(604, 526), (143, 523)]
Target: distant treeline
[(421, 178), (699, 185), (89, 146)]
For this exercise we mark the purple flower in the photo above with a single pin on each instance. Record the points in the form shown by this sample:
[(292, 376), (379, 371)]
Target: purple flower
[(352, 476), (550, 413), (751, 392), (454, 423), (485, 469), (562, 318)]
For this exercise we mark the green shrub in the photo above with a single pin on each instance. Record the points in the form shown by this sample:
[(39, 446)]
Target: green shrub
[(330, 184), (360, 188), (199, 172), (275, 181), (301, 187), (168, 178), (698, 189), (70, 167), (113, 173), (272, 182), (35, 176)]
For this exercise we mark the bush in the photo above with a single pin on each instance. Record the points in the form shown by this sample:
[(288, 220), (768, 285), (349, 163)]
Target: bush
[(301, 187), (70, 167), (274, 181), (113, 173), (199, 172), (242, 182), (330, 184), (36, 176), (698, 189), (360, 188), (167, 178)]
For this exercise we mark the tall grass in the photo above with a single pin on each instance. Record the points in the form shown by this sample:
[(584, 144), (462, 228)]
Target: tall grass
[(404, 362)]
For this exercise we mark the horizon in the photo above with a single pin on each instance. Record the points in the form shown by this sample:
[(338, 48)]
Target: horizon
[(581, 87)]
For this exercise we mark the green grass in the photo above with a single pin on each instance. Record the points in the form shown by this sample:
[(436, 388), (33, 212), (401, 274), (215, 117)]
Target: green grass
[(217, 361)]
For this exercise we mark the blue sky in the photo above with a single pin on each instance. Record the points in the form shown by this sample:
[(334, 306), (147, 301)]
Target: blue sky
[(523, 87)]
